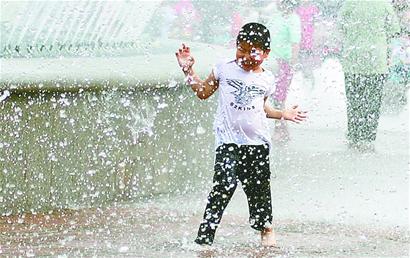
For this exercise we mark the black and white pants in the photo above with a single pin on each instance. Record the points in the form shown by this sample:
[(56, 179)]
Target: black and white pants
[(248, 164), (364, 98)]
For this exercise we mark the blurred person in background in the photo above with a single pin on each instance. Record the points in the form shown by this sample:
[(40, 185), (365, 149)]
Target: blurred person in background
[(285, 26), (309, 58), (214, 24), (366, 28), (398, 80), (187, 15), (326, 39)]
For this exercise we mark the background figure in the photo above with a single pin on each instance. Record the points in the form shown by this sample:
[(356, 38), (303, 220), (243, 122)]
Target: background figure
[(366, 27), (326, 39), (236, 23), (214, 26), (308, 56), (285, 39), (165, 18), (187, 15), (235, 27), (398, 80)]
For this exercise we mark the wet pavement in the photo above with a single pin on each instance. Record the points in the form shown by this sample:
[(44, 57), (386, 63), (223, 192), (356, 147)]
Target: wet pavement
[(154, 229), (328, 201)]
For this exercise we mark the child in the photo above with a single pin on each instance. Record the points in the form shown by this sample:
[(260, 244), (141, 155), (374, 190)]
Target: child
[(242, 135)]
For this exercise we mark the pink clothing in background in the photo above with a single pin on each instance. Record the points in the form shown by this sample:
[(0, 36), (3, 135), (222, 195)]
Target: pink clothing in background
[(236, 24), (185, 9), (184, 6), (306, 14), (283, 80)]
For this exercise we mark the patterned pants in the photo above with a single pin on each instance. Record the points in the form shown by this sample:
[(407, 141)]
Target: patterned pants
[(248, 164), (283, 80), (364, 98)]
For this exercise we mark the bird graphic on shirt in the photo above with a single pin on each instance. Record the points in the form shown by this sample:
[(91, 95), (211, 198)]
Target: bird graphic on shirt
[(244, 94)]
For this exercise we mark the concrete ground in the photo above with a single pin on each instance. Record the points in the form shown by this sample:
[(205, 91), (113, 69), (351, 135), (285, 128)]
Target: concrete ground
[(158, 228)]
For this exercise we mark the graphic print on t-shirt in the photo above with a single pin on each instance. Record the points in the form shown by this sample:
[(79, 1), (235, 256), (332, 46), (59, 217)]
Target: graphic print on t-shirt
[(244, 94)]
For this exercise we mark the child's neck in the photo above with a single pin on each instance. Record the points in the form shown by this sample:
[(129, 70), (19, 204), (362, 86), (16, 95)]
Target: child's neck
[(257, 70)]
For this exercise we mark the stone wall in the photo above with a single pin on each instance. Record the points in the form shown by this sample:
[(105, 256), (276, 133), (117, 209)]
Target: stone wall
[(85, 148)]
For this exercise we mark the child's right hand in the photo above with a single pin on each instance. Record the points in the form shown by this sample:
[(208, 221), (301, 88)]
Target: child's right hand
[(185, 60)]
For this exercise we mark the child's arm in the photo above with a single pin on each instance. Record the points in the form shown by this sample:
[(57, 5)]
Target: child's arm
[(293, 114), (203, 89)]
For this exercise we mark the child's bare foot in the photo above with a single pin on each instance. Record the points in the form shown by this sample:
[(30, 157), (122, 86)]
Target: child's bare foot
[(268, 238)]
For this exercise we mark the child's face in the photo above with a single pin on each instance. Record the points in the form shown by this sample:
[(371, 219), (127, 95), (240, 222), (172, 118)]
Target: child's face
[(250, 57)]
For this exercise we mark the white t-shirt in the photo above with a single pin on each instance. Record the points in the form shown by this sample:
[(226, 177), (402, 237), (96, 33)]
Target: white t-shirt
[(240, 116)]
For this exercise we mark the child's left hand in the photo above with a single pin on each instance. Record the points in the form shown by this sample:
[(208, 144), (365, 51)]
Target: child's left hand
[(294, 114)]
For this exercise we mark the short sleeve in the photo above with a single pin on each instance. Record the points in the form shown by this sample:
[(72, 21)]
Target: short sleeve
[(295, 28), (217, 69)]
